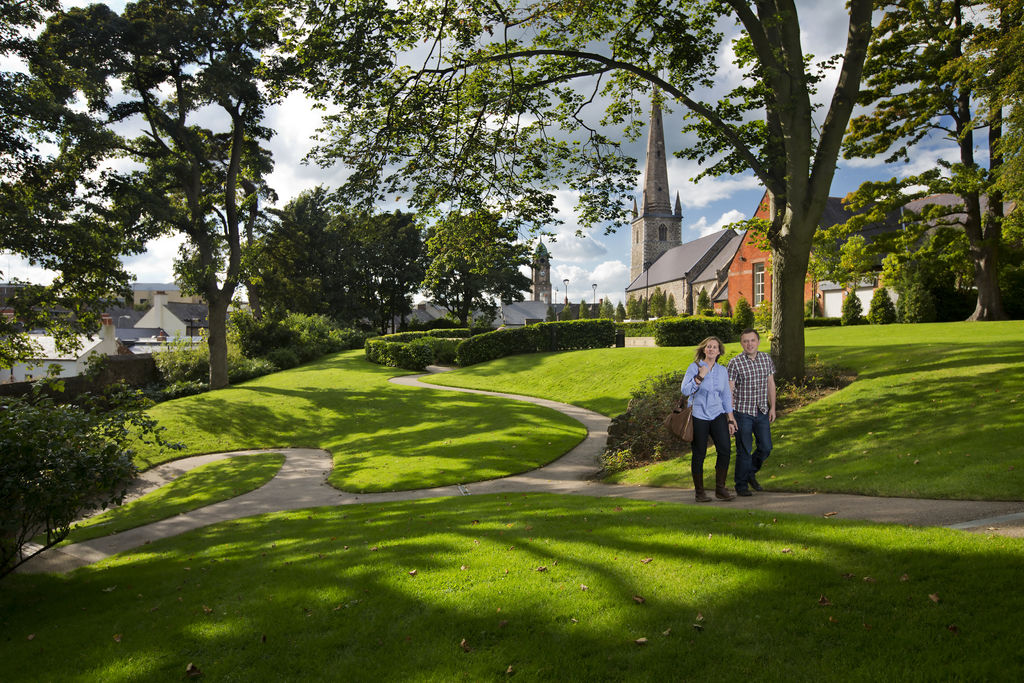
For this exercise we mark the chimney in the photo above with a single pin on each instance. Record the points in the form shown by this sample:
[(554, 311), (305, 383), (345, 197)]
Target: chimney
[(108, 339)]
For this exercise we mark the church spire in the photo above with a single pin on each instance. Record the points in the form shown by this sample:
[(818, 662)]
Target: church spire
[(656, 198)]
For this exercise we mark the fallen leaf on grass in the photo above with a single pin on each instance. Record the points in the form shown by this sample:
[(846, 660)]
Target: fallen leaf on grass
[(868, 579), (583, 587), (828, 476), (952, 628), (463, 567), (833, 620), (824, 602), (373, 549), (618, 508), (465, 647), (867, 627), (647, 560), (31, 636), (509, 670), (638, 600), (207, 610), (640, 641), (503, 623), (542, 568), (666, 632), (193, 671), (830, 514), (413, 572), (847, 576), (117, 637), (787, 550), (904, 578), (934, 597), (107, 590)]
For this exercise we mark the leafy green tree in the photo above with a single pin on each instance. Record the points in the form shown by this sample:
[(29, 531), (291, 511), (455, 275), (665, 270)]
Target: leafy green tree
[(390, 265), (583, 312), (177, 64), (61, 207), (704, 306), (472, 259), (475, 124), (918, 85), (743, 316), (853, 310), (549, 314), (882, 310), (634, 308), (657, 303), (620, 312), (670, 305), (607, 310)]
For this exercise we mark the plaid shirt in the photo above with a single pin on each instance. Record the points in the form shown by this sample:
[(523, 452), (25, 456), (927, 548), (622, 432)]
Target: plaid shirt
[(750, 377)]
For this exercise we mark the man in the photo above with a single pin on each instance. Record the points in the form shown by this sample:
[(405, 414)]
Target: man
[(752, 381)]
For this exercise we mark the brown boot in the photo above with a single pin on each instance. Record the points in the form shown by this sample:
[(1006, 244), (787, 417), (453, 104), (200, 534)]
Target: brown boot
[(698, 489), (722, 493)]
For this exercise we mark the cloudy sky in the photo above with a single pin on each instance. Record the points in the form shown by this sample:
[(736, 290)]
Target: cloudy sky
[(597, 258)]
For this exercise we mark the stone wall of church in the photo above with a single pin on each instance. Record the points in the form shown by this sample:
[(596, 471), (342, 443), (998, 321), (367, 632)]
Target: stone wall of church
[(646, 247)]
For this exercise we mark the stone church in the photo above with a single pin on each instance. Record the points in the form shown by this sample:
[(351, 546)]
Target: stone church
[(658, 256)]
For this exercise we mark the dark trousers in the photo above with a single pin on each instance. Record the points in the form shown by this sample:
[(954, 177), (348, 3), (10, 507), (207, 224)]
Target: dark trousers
[(718, 430), (751, 428)]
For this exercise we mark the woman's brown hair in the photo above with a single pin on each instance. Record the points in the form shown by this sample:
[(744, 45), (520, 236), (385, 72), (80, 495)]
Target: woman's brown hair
[(700, 348)]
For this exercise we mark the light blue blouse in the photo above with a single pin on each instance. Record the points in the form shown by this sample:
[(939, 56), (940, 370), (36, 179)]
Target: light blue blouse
[(712, 397)]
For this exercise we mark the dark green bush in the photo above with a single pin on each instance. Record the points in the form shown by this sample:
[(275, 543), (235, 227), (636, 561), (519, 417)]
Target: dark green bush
[(637, 328), (882, 310), (409, 356), (692, 330), (853, 310), (639, 436), (58, 461), (283, 358), (743, 316), (822, 322), (181, 361), (243, 368), (309, 336)]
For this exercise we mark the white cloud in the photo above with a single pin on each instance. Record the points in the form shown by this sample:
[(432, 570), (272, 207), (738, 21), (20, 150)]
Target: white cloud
[(157, 263), (703, 227), (609, 276), (705, 191)]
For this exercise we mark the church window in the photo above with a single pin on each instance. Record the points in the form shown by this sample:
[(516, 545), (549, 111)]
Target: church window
[(758, 283), (662, 233)]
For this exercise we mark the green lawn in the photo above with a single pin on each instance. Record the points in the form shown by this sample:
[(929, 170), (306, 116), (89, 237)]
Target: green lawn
[(934, 411), (202, 486), (382, 436), (600, 380), (451, 589)]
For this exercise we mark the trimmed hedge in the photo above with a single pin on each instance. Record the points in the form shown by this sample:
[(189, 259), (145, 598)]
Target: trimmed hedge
[(564, 335), (408, 356), (449, 333), (638, 328), (691, 330), (822, 322)]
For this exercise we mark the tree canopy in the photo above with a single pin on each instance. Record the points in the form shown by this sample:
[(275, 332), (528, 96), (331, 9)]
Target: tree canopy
[(483, 104)]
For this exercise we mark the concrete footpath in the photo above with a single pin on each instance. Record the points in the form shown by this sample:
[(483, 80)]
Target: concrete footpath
[(301, 483)]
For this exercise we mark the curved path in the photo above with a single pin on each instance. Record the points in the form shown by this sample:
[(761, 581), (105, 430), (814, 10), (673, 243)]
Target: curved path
[(302, 482)]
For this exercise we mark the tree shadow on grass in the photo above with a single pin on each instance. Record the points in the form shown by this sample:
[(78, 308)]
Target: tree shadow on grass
[(328, 593)]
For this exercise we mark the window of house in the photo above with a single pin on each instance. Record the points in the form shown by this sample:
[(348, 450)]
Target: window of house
[(662, 233), (758, 283)]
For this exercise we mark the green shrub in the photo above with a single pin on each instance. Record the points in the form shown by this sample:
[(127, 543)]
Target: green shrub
[(743, 316), (822, 322), (182, 361), (408, 356), (763, 316), (283, 358), (690, 331), (309, 336), (58, 461), (639, 435), (852, 310), (637, 328), (916, 305), (882, 310), (243, 368), (704, 306), (557, 336), (1011, 284)]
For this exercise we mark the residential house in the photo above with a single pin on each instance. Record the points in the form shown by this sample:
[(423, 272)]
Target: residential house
[(70, 363)]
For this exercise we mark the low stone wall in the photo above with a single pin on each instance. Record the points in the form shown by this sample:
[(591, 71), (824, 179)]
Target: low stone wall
[(136, 371)]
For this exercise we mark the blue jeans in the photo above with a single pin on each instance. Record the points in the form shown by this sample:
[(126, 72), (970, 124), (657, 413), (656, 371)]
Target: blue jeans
[(749, 459)]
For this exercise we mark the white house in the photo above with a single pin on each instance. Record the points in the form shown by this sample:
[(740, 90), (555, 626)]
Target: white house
[(174, 318), (71, 364)]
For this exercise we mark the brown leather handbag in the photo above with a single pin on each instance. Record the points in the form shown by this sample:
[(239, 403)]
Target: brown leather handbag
[(680, 420)]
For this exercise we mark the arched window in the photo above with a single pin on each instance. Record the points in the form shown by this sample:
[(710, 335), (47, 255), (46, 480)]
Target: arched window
[(662, 233)]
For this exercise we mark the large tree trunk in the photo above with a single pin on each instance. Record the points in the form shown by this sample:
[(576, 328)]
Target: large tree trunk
[(218, 340), (789, 274), (986, 278)]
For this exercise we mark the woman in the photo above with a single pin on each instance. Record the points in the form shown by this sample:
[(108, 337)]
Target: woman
[(706, 383)]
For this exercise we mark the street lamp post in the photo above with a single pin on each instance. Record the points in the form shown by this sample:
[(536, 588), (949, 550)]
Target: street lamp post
[(566, 304), (594, 287), (647, 283)]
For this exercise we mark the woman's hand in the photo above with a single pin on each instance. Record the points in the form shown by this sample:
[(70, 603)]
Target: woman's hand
[(733, 427)]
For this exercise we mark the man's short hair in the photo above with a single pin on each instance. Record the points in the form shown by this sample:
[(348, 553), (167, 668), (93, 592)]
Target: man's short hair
[(751, 330)]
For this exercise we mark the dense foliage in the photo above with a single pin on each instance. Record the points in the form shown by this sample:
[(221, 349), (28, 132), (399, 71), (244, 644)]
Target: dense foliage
[(882, 310), (743, 316), (691, 330), (556, 336), (59, 461), (853, 310)]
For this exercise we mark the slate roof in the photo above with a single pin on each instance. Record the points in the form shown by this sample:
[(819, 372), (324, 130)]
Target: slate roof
[(677, 262), (516, 313), (184, 312), (722, 259)]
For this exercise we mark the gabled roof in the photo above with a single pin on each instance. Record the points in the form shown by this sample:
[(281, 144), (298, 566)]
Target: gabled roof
[(721, 260), (184, 312), (155, 287), (516, 312), (677, 262)]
